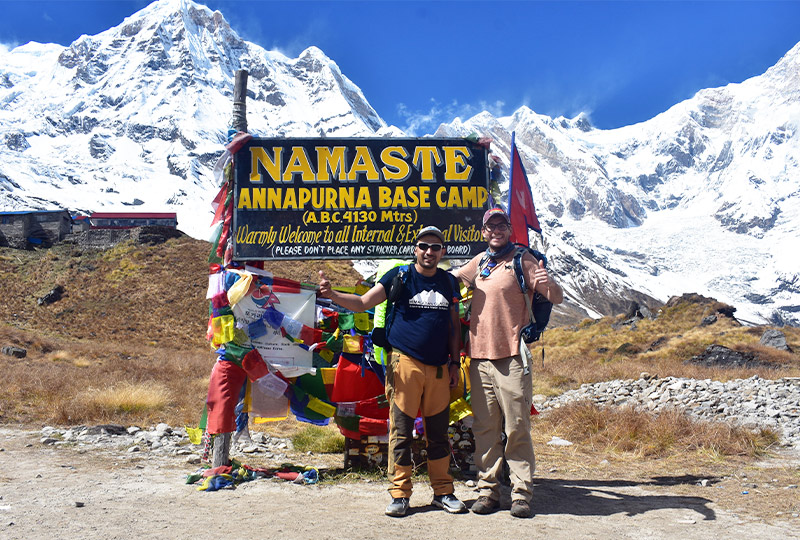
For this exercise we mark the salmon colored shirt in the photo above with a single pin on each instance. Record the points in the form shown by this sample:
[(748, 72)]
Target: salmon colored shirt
[(498, 311)]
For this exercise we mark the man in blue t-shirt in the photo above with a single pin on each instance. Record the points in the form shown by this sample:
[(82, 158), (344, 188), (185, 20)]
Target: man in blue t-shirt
[(423, 332)]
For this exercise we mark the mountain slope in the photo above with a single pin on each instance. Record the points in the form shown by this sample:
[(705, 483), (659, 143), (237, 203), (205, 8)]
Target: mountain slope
[(703, 197), (139, 113)]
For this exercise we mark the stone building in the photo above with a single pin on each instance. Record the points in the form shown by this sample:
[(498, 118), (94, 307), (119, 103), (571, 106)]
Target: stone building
[(25, 228)]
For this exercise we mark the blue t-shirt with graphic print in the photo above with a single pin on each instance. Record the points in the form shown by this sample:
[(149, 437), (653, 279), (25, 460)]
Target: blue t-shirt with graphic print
[(420, 322)]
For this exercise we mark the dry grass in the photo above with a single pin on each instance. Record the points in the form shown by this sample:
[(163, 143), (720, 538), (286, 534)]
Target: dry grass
[(131, 326), (124, 398), (594, 351), (645, 435)]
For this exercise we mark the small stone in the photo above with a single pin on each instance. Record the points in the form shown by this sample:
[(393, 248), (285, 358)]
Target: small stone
[(688, 521), (250, 449), (558, 441), (470, 483), (79, 504), (193, 460), (704, 482), (133, 449)]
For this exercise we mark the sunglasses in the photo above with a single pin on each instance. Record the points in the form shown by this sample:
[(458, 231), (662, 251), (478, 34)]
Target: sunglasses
[(502, 227), (423, 246)]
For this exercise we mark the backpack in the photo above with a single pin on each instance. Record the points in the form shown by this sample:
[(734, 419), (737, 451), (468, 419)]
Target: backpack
[(396, 287), (540, 308)]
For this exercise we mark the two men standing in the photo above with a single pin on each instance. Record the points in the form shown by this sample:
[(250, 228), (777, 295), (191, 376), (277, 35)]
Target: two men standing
[(423, 332)]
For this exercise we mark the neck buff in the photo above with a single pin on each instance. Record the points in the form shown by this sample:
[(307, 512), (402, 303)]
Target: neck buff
[(502, 251)]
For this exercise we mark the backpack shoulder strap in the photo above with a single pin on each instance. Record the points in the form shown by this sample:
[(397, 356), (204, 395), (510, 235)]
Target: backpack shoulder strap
[(478, 269)]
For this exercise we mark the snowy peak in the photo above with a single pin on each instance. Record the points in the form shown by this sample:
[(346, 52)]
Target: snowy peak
[(138, 114), (703, 197)]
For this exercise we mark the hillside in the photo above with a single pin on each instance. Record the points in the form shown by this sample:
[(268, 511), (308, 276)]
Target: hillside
[(134, 314), (134, 317)]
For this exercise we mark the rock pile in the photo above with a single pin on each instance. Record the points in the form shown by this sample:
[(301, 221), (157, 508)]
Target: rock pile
[(161, 439), (752, 402)]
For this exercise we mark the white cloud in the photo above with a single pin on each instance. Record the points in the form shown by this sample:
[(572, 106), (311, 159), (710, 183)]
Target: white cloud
[(419, 122)]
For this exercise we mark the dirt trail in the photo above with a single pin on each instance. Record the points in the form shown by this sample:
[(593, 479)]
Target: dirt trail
[(49, 492)]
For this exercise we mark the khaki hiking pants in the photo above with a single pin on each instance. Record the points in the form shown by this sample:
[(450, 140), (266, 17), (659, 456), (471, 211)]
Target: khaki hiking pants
[(501, 390), (417, 387)]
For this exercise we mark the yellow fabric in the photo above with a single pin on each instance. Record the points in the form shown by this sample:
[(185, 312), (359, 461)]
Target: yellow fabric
[(463, 380), (262, 420), (240, 288), (326, 355), (209, 479), (195, 434), (361, 321), (352, 344), (362, 288), (319, 406), (223, 329), (328, 374), (459, 409)]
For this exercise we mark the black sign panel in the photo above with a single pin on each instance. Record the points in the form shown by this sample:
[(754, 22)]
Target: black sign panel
[(356, 198)]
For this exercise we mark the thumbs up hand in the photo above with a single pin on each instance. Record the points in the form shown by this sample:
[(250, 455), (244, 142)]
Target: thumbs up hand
[(324, 285), (541, 278)]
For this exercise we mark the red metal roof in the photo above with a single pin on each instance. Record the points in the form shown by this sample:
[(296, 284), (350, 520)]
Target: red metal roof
[(133, 215)]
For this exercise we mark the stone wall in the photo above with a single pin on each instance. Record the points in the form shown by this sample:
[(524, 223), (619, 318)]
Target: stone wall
[(108, 238)]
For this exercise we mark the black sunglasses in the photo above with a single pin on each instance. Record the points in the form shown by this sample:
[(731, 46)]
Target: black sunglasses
[(423, 246)]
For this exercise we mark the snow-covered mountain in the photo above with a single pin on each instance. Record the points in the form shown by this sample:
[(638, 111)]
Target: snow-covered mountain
[(702, 198), (138, 114)]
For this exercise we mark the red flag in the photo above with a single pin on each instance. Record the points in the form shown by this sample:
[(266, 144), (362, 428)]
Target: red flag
[(520, 202)]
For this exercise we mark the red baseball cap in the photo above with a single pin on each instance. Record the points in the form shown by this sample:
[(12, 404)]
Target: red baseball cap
[(490, 213)]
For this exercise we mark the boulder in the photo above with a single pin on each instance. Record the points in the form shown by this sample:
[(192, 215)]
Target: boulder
[(775, 339)]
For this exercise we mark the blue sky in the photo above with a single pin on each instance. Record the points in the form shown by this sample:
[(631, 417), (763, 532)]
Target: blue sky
[(420, 63)]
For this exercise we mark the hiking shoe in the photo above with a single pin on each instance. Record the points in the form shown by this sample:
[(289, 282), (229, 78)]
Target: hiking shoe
[(485, 505), (449, 503), (398, 507), (521, 509)]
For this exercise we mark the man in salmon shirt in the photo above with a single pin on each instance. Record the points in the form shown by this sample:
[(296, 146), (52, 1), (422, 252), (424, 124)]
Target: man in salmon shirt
[(499, 375)]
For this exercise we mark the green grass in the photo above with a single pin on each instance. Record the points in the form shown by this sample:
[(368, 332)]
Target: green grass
[(318, 440)]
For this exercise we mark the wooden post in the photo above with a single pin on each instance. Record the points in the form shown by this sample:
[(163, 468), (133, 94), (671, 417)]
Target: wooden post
[(222, 449), (239, 120), (222, 442)]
